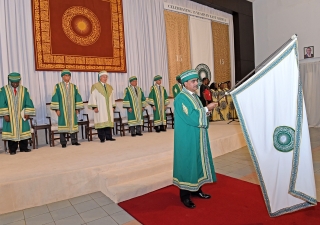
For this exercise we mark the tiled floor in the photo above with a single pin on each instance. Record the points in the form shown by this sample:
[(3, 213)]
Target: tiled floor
[(97, 209), (92, 209)]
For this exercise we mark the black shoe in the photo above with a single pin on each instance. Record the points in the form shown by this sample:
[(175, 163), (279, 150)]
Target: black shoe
[(102, 141), (201, 195), (77, 143), (64, 145), (12, 153), (158, 130), (139, 134), (26, 150), (188, 203), (112, 139), (133, 135)]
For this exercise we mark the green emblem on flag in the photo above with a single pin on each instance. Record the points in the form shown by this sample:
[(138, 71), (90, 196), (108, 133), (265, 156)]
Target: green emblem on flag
[(283, 139)]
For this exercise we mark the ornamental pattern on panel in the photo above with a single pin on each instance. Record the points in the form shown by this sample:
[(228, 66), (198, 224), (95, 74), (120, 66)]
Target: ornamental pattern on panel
[(46, 60)]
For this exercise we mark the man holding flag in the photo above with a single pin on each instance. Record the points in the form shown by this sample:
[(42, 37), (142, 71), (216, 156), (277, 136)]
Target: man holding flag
[(193, 165)]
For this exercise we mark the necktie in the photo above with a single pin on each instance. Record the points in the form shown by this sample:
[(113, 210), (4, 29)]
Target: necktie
[(159, 89), (104, 86), (15, 91), (67, 85)]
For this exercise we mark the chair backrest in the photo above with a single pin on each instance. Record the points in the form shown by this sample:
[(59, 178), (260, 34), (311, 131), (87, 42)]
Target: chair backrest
[(88, 111), (52, 114), (149, 109), (171, 104)]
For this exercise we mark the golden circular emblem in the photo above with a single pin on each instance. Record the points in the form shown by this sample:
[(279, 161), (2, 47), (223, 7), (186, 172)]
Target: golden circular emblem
[(81, 25)]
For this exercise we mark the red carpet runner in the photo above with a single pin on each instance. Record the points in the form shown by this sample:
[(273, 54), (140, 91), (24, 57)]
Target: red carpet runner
[(233, 202)]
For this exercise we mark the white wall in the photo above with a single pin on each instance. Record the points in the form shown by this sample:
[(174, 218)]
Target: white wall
[(275, 21)]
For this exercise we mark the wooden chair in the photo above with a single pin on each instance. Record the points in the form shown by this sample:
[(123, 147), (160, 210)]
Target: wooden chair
[(89, 127), (53, 122), (36, 127), (170, 117), (121, 123), (84, 123), (147, 121)]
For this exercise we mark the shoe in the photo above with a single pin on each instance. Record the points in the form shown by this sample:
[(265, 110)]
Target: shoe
[(26, 150), (77, 143), (133, 135), (12, 153), (158, 130), (102, 141), (188, 203), (64, 145), (201, 195), (112, 139), (139, 134)]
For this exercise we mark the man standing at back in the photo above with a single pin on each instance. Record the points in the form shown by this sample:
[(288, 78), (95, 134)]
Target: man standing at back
[(67, 101), (135, 102), (158, 99), (16, 106), (192, 164), (177, 88), (103, 103)]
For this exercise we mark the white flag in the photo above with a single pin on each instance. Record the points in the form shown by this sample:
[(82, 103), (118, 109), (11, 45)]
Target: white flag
[(273, 118)]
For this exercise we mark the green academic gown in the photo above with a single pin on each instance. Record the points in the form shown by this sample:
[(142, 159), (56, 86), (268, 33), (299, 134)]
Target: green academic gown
[(10, 104), (160, 101), (193, 165), (176, 89), (135, 101), (67, 101)]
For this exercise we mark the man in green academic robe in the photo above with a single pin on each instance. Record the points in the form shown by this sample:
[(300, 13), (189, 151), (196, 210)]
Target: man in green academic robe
[(177, 88), (135, 102), (67, 101), (16, 106), (158, 99), (193, 165)]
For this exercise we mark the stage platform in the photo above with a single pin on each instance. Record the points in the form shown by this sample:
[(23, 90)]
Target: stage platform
[(122, 169)]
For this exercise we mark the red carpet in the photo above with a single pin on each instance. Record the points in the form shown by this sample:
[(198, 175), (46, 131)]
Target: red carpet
[(233, 202)]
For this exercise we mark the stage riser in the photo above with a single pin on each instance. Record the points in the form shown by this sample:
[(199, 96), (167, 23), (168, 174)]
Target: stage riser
[(138, 187), (122, 170), (128, 174)]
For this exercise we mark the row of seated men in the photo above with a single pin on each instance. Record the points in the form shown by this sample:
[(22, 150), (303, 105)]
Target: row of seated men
[(16, 107)]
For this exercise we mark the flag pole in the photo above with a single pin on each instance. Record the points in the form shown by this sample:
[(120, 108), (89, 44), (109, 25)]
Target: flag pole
[(260, 65), (267, 60)]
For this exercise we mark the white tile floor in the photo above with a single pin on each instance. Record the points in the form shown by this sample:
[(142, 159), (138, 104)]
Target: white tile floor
[(92, 209)]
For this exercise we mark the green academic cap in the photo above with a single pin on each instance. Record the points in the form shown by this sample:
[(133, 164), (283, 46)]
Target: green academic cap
[(64, 72), (188, 75), (132, 78), (157, 77), (14, 77)]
